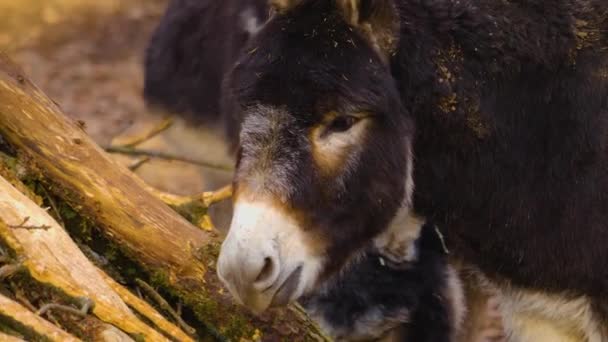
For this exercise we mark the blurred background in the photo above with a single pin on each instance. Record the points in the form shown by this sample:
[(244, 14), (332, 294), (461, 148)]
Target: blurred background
[(87, 56)]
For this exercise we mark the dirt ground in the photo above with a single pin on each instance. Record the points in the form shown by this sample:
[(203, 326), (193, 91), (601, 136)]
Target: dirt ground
[(87, 56)]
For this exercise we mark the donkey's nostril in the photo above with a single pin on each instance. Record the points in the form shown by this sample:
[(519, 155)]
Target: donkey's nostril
[(267, 275), (266, 270)]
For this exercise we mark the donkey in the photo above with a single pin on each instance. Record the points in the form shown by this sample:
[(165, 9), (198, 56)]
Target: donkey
[(495, 110), (371, 299)]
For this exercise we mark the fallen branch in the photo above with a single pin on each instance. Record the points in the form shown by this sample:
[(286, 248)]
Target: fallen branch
[(9, 338), (31, 321), (138, 163), (51, 257), (109, 333), (207, 198), (202, 201), (22, 299), (145, 136), (54, 306), (131, 151), (54, 207), (84, 176), (165, 306), (87, 305), (23, 225), (10, 269), (144, 309)]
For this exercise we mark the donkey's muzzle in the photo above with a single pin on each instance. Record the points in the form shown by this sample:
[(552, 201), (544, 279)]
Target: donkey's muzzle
[(264, 260)]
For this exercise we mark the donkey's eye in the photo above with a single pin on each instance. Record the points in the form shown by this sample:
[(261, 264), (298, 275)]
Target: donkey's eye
[(342, 124)]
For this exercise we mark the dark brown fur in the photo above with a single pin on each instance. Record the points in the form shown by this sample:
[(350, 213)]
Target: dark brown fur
[(510, 105)]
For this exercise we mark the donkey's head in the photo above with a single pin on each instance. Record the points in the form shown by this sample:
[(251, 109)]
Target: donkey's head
[(324, 161)]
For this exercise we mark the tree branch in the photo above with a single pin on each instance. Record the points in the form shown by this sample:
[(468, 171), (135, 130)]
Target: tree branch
[(144, 309), (51, 257), (37, 324), (145, 136), (131, 151), (165, 306)]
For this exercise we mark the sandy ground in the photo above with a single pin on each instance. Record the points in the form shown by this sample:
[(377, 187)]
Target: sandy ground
[(86, 55)]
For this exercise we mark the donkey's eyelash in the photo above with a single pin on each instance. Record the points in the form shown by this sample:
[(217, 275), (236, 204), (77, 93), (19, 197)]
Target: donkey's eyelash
[(341, 123)]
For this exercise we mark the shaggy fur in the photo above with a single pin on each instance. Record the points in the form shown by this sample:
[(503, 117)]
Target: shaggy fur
[(194, 45), (509, 100), (370, 299)]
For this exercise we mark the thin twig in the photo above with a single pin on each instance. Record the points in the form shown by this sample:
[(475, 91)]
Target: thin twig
[(54, 206), (207, 198), (147, 311), (165, 306), (23, 225), (87, 304), (53, 306), (161, 127), (166, 156), (204, 222), (22, 298), (138, 163), (4, 256), (10, 269), (212, 197), (178, 309), (33, 323)]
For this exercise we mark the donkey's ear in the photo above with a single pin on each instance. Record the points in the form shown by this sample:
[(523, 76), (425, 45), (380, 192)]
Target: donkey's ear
[(282, 6), (376, 20)]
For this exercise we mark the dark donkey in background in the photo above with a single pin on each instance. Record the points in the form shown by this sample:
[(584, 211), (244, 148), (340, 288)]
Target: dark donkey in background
[(356, 121)]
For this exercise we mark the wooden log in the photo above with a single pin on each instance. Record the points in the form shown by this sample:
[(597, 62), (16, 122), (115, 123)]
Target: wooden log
[(148, 231), (51, 257), (109, 333), (144, 309), (9, 338), (93, 183), (31, 321)]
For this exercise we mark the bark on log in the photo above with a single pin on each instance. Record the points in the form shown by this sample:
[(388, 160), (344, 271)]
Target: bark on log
[(147, 231), (95, 184), (51, 257), (39, 326), (146, 310), (9, 338)]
